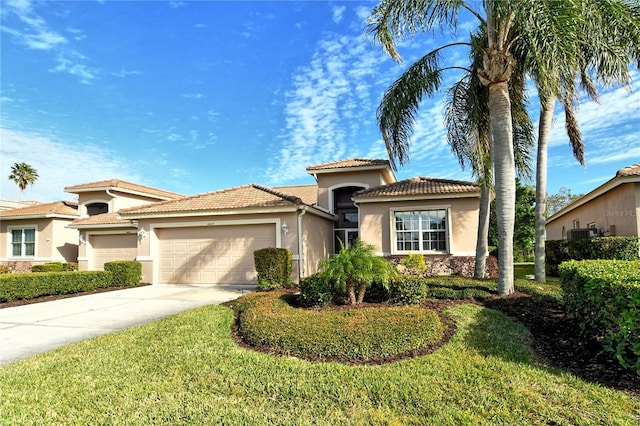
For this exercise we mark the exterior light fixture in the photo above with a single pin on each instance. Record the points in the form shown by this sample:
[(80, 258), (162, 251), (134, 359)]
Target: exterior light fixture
[(285, 229), (142, 234), (81, 240)]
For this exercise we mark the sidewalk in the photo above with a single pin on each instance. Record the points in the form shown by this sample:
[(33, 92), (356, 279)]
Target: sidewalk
[(39, 327)]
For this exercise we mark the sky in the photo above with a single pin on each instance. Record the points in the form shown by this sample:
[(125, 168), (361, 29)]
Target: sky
[(196, 96)]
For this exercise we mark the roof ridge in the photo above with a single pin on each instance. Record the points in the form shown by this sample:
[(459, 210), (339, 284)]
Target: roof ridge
[(291, 198), (113, 182)]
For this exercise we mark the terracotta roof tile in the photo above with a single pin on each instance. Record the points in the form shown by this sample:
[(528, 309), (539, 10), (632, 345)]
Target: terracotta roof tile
[(633, 170), (307, 193), (419, 186), (122, 185), (57, 208), (242, 197), (101, 219), (349, 163)]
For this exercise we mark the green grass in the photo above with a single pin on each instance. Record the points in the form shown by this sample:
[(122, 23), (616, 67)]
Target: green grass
[(186, 369)]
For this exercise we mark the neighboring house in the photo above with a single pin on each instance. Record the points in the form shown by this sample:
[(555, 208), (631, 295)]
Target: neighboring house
[(10, 205), (39, 233), (613, 208), (210, 238)]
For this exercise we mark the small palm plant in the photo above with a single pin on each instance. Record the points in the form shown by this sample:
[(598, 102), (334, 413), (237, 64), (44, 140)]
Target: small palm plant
[(356, 265)]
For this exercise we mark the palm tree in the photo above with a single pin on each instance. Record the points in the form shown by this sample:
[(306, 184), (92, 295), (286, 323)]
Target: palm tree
[(23, 175), (549, 29), (469, 135), (612, 42)]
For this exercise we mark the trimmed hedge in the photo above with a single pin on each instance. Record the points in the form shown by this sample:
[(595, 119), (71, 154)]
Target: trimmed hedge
[(364, 334), (603, 297), (37, 284), (274, 266), (125, 273), (616, 248), (414, 290), (55, 267)]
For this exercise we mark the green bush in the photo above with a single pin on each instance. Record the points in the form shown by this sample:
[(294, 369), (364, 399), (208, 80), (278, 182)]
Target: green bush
[(414, 290), (415, 263), (32, 285), (48, 267), (615, 248), (316, 291), (269, 319), (274, 266), (125, 273), (603, 297)]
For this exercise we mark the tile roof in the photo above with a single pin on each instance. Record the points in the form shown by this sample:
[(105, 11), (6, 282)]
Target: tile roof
[(242, 197), (349, 163), (419, 186), (122, 185), (101, 219), (633, 170), (307, 193), (57, 208)]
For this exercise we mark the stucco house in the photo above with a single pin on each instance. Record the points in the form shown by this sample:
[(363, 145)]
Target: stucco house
[(210, 238), (39, 233), (613, 208)]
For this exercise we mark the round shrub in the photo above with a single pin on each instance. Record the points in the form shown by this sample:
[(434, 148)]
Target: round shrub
[(315, 291)]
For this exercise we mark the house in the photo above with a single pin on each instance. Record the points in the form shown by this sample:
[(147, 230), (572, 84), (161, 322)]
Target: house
[(210, 238), (39, 233), (613, 208)]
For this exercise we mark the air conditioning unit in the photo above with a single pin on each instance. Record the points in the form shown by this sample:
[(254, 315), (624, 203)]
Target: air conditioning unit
[(578, 234)]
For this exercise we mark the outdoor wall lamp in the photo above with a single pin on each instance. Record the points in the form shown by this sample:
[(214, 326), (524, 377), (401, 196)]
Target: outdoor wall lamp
[(285, 228), (81, 239), (142, 234)]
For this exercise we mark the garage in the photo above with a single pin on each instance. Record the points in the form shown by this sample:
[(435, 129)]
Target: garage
[(212, 254), (107, 248)]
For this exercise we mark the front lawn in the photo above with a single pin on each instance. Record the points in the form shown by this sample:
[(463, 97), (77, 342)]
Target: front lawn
[(186, 369)]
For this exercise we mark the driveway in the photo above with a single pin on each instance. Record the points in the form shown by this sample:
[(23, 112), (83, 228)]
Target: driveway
[(39, 327)]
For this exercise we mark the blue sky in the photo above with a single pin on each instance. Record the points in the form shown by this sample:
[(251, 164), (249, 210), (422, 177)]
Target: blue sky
[(194, 96)]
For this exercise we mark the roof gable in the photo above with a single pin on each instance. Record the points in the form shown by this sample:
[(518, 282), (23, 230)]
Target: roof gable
[(307, 193), (64, 209), (242, 197), (350, 163), (420, 186), (633, 170), (123, 186)]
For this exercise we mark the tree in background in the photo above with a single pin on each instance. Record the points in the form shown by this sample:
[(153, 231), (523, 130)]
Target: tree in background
[(563, 198), (524, 233), (23, 175)]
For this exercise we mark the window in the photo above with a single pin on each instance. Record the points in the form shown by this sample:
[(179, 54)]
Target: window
[(421, 231), (97, 208), (576, 224), (23, 242)]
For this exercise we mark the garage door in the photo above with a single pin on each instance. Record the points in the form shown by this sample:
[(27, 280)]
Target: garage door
[(107, 248), (212, 255)]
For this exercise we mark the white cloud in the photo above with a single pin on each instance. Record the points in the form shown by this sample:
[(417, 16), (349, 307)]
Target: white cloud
[(125, 73), (338, 13), (58, 163), (193, 95)]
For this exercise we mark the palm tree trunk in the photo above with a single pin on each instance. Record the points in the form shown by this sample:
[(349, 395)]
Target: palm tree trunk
[(361, 290), (546, 118), (505, 181), (352, 292), (482, 244)]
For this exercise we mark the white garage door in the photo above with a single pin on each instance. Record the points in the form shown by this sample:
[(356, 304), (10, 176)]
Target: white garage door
[(212, 255), (107, 248)]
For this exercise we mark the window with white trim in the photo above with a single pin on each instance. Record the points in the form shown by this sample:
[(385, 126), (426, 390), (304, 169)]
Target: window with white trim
[(421, 231), (23, 242)]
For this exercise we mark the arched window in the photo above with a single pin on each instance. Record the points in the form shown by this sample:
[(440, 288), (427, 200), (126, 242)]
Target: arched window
[(97, 208)]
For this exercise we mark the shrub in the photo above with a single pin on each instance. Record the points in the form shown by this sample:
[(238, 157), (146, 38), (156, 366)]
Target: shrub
[(414, 290), (408, 291), (616, 248), (269, 319), (32, 285), (316, 291), (5, 269), (125, 273), (70, 267), (415, 263), (48, 267), (603, 297), (274, 266)]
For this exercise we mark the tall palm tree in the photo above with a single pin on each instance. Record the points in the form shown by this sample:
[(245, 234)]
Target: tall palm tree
[(551, 30), (610, 45), (469, 135), (23, 175)]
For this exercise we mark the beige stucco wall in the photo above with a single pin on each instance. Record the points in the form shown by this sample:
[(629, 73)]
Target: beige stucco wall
[(376, 223), (619, 206), (326, 181), (54, 242), (317, 241)]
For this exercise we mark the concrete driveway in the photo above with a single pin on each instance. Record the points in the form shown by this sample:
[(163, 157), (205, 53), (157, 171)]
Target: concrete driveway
[(39, 327)]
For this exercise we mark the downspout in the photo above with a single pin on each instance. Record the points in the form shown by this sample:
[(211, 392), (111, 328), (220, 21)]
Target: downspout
[(301, 213), (115, 199)]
